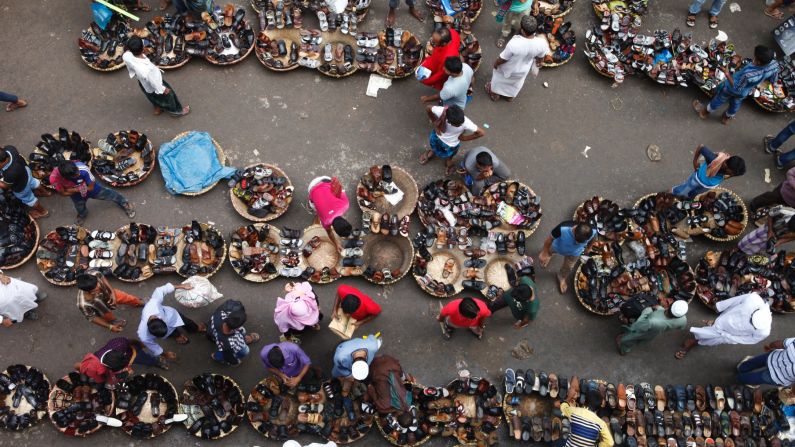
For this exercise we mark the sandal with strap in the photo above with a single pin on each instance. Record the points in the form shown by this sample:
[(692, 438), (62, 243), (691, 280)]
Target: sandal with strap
[(691, 20)]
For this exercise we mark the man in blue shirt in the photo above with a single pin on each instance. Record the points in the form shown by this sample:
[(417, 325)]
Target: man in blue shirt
[(568, 239), (710, 173), (353, 357), (159, 321), (735, 88)]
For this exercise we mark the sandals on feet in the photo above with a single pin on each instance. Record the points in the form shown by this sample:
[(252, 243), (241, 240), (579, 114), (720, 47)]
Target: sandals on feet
[(16, 105), (713, 22), (426, 156), (500, 42), (492, 96), (691, 20), (774, 14)]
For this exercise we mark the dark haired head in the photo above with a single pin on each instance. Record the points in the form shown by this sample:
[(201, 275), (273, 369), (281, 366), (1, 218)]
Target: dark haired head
[(135, 45), (522, 292), (114, 360), (68, 170), (275, 357), (763, 54), (350, 303), (443, 36), (453, 65), (405, 420), (235, 319), (582, 232), (484, 159), (455, 115), (468, 308), (529, 25), (341, 226), (157, 327), (86, 282), (4, 156), (734, 166)]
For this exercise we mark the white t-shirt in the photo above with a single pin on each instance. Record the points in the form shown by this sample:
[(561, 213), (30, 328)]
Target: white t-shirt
[(452, 133), (520, 54)]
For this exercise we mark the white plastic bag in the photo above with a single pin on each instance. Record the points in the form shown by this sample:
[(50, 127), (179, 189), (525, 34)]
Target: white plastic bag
[(202, 293)]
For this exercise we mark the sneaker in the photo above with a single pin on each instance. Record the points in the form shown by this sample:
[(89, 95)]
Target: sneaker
[(31, 315), (510, 381), (128, 208), (768, 139), (779, 165)]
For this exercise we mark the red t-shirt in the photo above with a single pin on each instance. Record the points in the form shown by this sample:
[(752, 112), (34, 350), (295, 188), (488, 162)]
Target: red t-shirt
[(327, 205), (367, 306), (451, 312)]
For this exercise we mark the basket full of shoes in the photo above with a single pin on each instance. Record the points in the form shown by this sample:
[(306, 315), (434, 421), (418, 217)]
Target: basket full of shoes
[(147, 405), (261, 192), (776, 97), (561, 38), (19, 233), (201, 250), (102, 50), (59, 256), (227, 39), (387, 189), (409, 430), (125, 158), (53, 149), (345, 420), (135, 252), (214, 405), (23, 394), (476, 414), (254, 252), (398, 53), (164, 41), (79, 406)]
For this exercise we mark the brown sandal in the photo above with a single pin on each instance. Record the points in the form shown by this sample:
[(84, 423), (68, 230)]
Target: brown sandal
[(426, 156)]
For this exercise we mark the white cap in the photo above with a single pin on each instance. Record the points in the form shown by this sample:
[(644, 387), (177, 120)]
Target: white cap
[(360, 370), (679, 308), (291, 443), (761, 319), (337, 6)]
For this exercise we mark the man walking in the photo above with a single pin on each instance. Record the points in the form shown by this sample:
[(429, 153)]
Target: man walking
[(226, 330), (775, 367), (482, 168), (744, 319), (569, 239), (150, 79), (159, 321), (695, 8), (652, 322), (464, 313), (74, 179), (16, 176), (457, 86), (773, 145), (521, 300), (450, 128), (783, 194), (522, 55), (737, 87), (97, 300), (710, 173)]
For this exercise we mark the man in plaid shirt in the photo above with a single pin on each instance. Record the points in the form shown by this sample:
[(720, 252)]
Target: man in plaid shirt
[(226, 330)]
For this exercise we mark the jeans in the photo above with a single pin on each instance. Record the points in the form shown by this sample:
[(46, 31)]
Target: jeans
[(26, 196), (103, 194), (782, 137), (717, 5), (754, 371), (690, 188), (8, 97), (767, 199), (144, 358), (722, 97), (218, 356)]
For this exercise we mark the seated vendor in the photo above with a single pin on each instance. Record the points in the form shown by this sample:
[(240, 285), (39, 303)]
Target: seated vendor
[(779, 229), (288, 362), (112, 362), (330, 203), (352, 360), (482, 168), (352, 302), (386, 390)]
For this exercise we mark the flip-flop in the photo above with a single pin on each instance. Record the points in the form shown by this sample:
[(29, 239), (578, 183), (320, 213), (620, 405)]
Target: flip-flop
[(425, 157), (776, 14), (680, 354), (492, 96), (254, 337), (15, 105)]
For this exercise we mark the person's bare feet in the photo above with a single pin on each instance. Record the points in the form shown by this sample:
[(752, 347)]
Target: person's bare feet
[(390, 18), (700, 109), (157, 111), (41, 192), (725, 119), (16, 105), (202, 327), (562, 284), (35, 214), (416, 14)]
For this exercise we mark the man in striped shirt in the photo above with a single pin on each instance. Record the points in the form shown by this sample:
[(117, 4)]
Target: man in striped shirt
[(775, 367), (587, 429)]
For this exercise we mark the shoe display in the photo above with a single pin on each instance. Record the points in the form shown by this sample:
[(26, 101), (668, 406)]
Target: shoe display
[(147, 406), (254, 252), (394, 58), (51, 151), (261, 192), (78, 406), (471, 8), (561, 37), (100, 49), (318, 252), (19, 234), (64, 253), (25, 390), (215, 405), (202, 250), (165, 38), (124, 158)]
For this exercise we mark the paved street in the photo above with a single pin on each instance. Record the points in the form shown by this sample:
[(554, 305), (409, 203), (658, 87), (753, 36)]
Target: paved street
[(312, 125)]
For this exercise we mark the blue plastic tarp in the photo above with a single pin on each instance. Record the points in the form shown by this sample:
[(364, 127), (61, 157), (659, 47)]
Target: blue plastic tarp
[(102, 14), (190, 163)]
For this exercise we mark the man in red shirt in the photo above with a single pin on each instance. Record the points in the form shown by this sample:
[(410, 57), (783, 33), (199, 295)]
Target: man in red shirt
[(356, 304), (464, 313)]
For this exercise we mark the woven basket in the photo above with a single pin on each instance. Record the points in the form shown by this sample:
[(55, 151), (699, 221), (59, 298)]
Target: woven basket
[(740, 201), (528, 230), (765, 106), (436, 266), (530, 405), (469, 402), (494, 272), (385, 73), (406, 183), (24, 406), (334, 38), (380, 423), (53, 282), (388, 252), (37, 236), (292, 416), (325, 255), (577, 274), (289, 35), (236, 61), (221, 159), (253, 277), (181, 245), (366, 419), (52, 408), (188, 389), (139, 163), (242, 208), (115, 244), (146, 412), (593, 64), (47, 174)]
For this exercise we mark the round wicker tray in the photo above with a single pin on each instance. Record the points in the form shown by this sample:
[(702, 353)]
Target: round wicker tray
[(103, 70), (115, 244), (254, 277), (740, 201), (593, 64), (469, 402), (289, 35), (139, 164), (334, 38), (436, 265), (292, 417), (232, 415), (388, 252), (248, 51), (24, 405), (367, 419), (221, 159), (558, 64), (386, 74), (32, 250), (180, 243), (494, 272), (146, 413), (53, 282), (406, 183), (326, 255), (47, 174), (528, 230), (241, 208), (380, 423), (530, 405), (768, 108), (577, 274), (52, 408)]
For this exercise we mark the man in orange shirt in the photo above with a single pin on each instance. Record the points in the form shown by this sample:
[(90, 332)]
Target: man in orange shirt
[(467, 313), (356, 304)]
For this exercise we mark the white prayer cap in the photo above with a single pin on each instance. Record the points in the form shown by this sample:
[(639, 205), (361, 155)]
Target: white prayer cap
[(360, 370), (762, 319), (679, 308), (291, 443)]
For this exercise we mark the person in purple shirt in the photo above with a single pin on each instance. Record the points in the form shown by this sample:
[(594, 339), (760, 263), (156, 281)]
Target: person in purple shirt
[(783, 194), (289, 362)]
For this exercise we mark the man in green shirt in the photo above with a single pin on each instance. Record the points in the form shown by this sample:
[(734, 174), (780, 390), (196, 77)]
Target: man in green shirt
[(652, 322), (521, 300)]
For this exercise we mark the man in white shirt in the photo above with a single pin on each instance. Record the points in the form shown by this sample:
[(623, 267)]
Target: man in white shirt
[(150, 79), (522, 54), (159, 321), (451, 127), (775, 367), (743, 320)]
